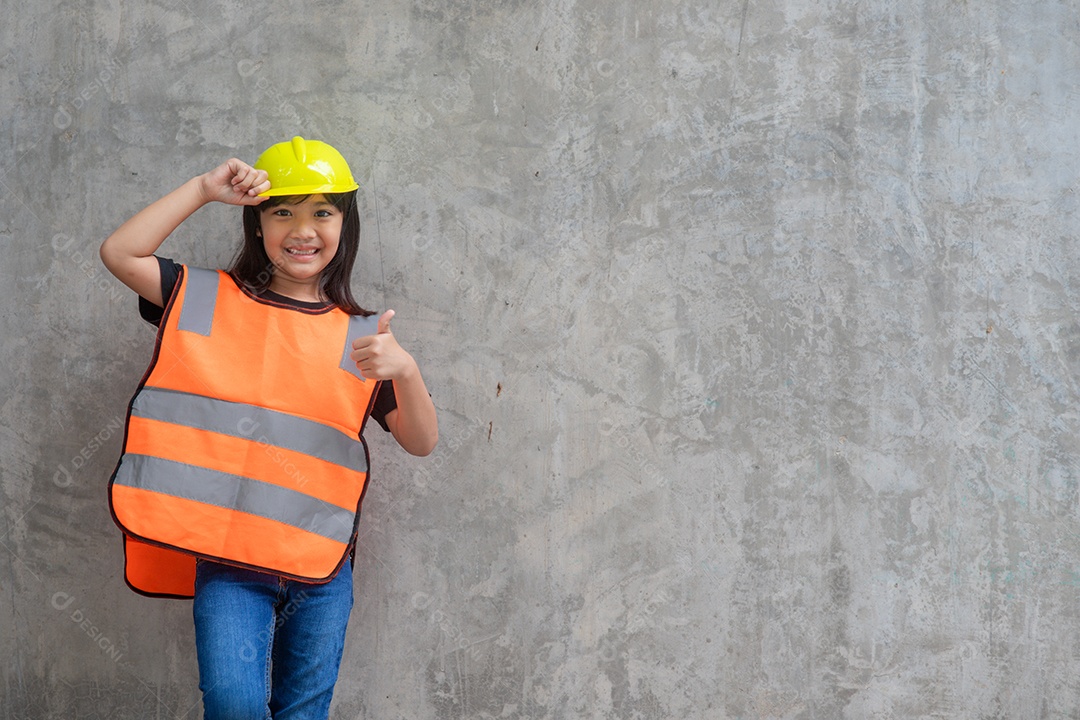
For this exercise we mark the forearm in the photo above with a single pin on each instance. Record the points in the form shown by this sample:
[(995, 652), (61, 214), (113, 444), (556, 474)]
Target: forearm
[(143, 234), (128, 252), (414, 423)]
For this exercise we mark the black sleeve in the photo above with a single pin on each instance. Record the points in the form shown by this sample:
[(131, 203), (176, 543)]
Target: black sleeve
[(385, 401), (170, 273)]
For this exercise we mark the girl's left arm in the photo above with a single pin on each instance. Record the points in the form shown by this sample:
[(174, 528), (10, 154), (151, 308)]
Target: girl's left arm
[(413, 423), (379, 357)]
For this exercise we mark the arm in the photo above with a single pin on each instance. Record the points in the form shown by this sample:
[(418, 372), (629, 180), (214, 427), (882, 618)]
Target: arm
[(413, 423), (129, 252)]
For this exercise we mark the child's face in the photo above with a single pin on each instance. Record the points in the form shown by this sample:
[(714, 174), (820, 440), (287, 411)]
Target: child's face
[(300, 239)]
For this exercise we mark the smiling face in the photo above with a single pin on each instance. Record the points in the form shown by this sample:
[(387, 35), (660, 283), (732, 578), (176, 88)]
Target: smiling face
[(300, 239)]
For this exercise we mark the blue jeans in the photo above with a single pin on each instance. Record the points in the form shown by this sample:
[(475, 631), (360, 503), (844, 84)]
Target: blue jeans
[(268, 647)]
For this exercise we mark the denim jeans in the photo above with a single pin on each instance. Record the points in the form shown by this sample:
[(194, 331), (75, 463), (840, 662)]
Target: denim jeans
[(268, 647)]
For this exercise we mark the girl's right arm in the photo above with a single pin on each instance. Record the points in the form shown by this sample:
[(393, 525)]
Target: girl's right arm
[(129, 252)]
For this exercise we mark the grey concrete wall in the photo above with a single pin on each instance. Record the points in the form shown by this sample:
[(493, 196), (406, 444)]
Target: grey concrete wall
[(750, 324)]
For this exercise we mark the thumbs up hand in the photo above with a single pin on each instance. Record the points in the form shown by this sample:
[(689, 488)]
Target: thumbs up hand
[(379, 357)]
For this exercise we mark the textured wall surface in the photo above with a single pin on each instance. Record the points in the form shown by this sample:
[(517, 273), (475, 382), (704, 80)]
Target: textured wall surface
[(751, 326)]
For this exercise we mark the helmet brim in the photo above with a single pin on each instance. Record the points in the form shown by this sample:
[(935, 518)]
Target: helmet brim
[(309, 190)]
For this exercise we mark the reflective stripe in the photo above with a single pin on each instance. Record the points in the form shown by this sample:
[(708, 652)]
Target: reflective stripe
[(234, 492), (265, 426), (197, 313), (359, 326)]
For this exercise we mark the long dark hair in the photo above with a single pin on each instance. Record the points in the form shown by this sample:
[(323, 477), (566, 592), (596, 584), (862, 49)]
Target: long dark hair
[(253, 269)]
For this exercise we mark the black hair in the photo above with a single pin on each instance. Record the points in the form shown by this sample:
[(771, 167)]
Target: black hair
[(253, 269)]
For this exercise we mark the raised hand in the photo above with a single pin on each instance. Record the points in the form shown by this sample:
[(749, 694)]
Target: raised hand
[(234, 182)]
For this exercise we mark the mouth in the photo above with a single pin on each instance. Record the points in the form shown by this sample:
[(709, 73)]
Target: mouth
[(301, 252)]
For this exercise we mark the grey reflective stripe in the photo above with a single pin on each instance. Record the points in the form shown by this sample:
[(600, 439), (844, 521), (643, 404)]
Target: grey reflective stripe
[(268, 427), (234, 492), (359, 326), (197, 313)]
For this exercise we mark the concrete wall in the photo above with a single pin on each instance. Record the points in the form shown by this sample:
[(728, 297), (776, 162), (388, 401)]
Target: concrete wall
[(750, 324)]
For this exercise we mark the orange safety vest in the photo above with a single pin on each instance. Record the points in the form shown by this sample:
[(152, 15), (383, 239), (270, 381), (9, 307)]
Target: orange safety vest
[(243, 441)]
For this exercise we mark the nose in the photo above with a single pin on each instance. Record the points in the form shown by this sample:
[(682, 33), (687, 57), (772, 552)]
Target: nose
[(303, 228)]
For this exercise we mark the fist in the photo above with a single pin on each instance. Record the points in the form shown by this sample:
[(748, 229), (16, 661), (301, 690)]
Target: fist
[(236, 183)]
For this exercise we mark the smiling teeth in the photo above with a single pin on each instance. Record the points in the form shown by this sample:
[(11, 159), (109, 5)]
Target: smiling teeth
[(300, 252)]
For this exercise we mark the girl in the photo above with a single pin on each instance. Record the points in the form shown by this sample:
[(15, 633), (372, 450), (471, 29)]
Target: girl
[(244, 467)]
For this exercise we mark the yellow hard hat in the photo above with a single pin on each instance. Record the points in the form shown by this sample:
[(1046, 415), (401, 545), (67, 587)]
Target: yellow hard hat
[(305, 167)]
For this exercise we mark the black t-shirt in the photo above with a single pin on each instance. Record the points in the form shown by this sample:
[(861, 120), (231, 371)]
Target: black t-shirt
[(170, 273)]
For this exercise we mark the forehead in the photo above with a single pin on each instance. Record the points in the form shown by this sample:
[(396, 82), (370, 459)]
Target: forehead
[(295, 201)]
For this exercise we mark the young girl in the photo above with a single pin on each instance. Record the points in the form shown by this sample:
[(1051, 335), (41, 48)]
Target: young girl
[(244, 467)]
